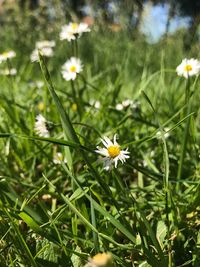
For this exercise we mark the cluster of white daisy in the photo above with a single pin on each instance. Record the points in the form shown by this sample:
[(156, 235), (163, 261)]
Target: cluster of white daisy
[(70, 32), (111, 152), (73, 30), (4, 57), (70, 69), (188, 68), (45, 48), (100, 260)]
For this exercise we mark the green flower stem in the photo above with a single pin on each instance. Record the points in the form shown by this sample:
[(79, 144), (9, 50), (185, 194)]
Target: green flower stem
[(10, 78), (12, 91), (76, 47), (186, 132), (72, 48), (76, 98), (86, 83), (93, 219), (75, 89)]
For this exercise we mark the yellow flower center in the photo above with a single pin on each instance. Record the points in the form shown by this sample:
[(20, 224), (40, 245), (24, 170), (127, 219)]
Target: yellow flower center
[(59, 156), (74, 26), (5, 54), (113, 151), (73, 68), (40, 106), (188, 68), (74, 107)]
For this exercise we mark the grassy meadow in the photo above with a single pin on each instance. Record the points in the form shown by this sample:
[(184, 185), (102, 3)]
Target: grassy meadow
[(60, 213)]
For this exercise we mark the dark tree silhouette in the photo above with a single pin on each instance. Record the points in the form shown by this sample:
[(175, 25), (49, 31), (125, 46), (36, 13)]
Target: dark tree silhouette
[(190, 8)]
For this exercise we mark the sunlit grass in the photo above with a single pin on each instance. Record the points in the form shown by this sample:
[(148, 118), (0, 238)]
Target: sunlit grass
[(62, 213)]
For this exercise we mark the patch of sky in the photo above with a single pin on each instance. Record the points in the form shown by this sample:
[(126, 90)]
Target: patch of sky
[(155, 19)]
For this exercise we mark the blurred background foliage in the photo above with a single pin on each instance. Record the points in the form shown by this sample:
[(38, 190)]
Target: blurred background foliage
[(18, 17)]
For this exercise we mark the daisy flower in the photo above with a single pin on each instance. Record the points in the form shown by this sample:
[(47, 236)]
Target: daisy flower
[(39, 84), (95, 103), (125, 104), (46, 52), (100, 260), (7, 72), (166, 133), (7, 55), (188, 67), (41, 126), (112, 152), (72, 30), (67, 34), (119, 106), (59, 158), (45, 48), (71, 68)]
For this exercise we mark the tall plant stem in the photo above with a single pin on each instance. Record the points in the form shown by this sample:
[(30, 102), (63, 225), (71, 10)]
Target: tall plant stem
[(76, 99), (186, 132), (76, 48)]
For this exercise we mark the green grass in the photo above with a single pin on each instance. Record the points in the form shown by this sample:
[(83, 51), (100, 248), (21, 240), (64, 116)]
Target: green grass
[(144, 212)]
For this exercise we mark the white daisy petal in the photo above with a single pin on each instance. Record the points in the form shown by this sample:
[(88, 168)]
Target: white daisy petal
[(115, 161), (107, 142), (115, 140), (102, 151), (45, 43)]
